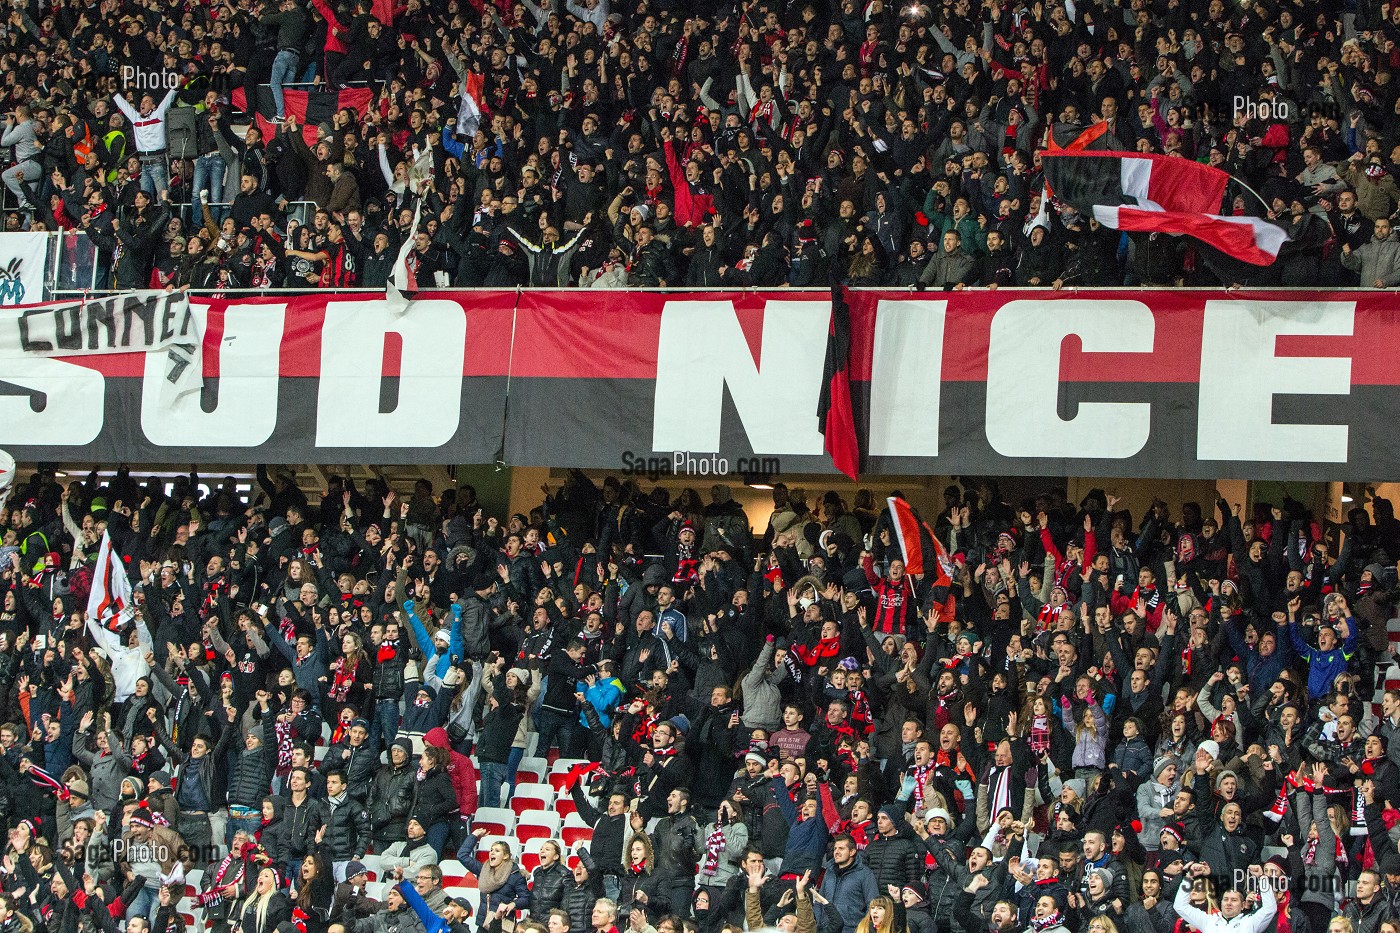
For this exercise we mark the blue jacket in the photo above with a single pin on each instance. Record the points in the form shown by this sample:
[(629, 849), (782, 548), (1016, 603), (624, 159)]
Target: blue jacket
[(806, 841), (604, 695), (308, 671), (438, 663), (514, 892), (1259, 670), (848, 893), (432, 923), (1323, 666)]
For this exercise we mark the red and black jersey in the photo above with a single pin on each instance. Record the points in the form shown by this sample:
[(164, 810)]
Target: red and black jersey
[(339, 270), (894, 606)]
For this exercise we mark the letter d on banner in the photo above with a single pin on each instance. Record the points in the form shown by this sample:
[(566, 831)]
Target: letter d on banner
[(429, 408), (1023, 379)]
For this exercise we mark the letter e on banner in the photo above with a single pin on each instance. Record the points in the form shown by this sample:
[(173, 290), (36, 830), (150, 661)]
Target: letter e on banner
[(249, 358), (1241, 372), (1023, 379), (702, 348), (906, 384), (429, 408)]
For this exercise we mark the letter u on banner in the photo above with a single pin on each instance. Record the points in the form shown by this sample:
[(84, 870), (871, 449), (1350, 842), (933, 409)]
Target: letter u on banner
[(1023, 379), (249, 359)]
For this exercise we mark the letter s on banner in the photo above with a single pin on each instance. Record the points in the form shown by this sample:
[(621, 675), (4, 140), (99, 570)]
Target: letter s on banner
[(74, 407), (429, 409), (1023, 417), (1241, 373), (702, 349), (249, 359)]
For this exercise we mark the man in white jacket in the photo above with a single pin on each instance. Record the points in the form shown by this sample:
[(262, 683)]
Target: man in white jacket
[(1232, 918)]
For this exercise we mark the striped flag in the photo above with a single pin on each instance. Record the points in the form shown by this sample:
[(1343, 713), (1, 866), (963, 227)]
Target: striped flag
[(1145, 193), (835, 412), (311, 108), (469, 111), (109, 603), (920, 546)]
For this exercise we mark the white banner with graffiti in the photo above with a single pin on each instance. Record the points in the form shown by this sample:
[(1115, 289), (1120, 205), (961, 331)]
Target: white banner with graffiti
[(23, 264)]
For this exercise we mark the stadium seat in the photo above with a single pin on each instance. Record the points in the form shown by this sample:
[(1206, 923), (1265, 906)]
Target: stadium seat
[(375, 889), (575, 830), (495, 820), (531, 770), (473, 896), (531, 797), (564, 806), (375, 864), (483, 847), (537, 824)]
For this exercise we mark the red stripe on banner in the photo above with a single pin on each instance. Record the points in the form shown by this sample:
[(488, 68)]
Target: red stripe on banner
[(577, 334)]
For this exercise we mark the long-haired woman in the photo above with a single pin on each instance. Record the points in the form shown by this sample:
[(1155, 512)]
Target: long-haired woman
[(266, 907)]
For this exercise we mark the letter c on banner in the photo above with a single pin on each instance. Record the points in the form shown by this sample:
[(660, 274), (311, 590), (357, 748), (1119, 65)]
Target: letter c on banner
[(434, 334), (1023, 379), (249, 359)]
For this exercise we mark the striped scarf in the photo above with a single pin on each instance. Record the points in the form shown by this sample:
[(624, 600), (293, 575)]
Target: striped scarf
[(45, 781), (283, 732), (1040, 734), (714, 846)]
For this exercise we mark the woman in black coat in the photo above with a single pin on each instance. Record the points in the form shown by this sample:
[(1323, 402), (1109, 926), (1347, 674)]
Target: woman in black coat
[(549, 881), (266, 907), (434, 798)]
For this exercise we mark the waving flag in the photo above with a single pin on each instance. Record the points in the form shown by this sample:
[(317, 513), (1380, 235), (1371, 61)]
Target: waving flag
[(110, 604), (311, 108), (1159, 194), (469, 111), (835, 414), (920, 546)]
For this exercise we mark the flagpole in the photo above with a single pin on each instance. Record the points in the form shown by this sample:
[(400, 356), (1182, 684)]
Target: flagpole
[(1267, 208)]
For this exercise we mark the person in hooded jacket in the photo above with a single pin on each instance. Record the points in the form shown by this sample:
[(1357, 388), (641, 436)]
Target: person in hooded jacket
[(391, 796), (894, 854), (1039, 261)]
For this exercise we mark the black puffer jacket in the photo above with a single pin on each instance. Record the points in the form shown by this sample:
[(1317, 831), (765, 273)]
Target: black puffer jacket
[(359, 762), (578, 899), (390, 798), (896, 859), (252, 773), (347, 831), (547, 888)]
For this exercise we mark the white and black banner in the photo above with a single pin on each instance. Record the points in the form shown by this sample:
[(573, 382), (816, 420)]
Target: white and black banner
[(133, 322), (1288, 385), (23, 261)]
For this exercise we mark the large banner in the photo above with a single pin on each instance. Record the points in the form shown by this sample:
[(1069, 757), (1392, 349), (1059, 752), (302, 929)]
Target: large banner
[(1284, 385)]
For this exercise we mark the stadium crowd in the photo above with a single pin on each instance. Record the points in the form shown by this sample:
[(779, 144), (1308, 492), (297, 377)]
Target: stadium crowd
[(1087, 720), (645, 144)]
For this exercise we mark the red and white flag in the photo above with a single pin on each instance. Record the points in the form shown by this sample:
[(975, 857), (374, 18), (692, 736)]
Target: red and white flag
[(470, 110), (920, 546), (1159, 194), (109, 603)]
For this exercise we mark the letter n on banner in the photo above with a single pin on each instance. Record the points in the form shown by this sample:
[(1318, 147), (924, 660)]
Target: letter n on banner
[(702, 350)]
